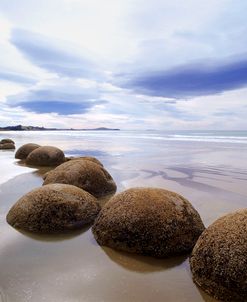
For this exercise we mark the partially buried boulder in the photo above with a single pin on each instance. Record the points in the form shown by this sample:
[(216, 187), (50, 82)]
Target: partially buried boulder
[(53, 208), (45, 156), (6, 146), (24, 150), (84, 174), (219, 258), (6, 141), (148, 221)]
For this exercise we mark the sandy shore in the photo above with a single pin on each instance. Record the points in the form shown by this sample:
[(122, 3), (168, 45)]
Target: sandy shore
[(9, 168), (73, 268)]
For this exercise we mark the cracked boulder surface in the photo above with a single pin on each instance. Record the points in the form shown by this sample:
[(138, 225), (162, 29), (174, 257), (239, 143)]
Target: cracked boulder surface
[(53, 208), (148, 221), (219, 258)]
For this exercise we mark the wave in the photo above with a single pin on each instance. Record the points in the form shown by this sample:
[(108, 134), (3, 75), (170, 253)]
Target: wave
[(231, 137)]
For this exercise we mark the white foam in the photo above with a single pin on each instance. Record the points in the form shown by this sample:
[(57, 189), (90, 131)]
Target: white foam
[(239, 137)]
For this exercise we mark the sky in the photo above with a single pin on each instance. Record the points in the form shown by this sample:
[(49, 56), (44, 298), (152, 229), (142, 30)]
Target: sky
[(128, 64)]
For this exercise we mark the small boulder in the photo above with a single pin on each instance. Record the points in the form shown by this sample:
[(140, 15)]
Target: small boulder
[(24, 150), (219, 258), (84, 174), (53, 208), (6, 146), (45, 156), (148, 221), (6, 141)]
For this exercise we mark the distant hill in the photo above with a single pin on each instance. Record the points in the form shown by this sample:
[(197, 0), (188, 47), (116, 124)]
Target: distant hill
[(24, 128), (35, 128), (102, 129)]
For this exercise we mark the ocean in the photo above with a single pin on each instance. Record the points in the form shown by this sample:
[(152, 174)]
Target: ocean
[(209, 168)]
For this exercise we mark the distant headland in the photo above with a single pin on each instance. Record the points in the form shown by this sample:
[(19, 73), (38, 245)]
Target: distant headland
[(35, 128)]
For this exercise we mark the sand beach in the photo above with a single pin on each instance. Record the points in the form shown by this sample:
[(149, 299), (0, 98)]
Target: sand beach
[(208, 169)]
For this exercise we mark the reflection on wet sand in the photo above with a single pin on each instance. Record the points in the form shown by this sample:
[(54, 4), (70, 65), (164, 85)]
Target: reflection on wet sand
[(73, 267), (143, 264), (40, 171), (188, 177), (55, 237)]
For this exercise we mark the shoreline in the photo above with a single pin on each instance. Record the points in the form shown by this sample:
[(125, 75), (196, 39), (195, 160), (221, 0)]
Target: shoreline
[(10, 167)]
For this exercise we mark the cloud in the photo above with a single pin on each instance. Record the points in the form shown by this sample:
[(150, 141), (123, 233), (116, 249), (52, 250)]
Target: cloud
[(225, 113), (60, 107), (61, 96), (15, 77), (54, 55), (190, 80), (143, 66)]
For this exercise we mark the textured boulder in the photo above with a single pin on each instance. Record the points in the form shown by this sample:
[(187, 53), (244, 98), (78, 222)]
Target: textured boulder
[(84, 174), (6, 141), (53, 208), (90, 158), (5, 146), (148, 221), (45, 156), (24, 150), (219, 258)]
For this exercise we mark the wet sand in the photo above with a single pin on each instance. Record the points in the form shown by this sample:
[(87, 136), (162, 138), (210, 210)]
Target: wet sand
[(74, 268), (9, 167)]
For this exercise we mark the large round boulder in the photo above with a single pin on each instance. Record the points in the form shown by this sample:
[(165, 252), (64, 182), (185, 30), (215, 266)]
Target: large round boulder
[(90, 158), (219, 258), (6, 146), (84, 174), (148, 221), (53, 208), (45, 156), (25, 150), (7, 141)]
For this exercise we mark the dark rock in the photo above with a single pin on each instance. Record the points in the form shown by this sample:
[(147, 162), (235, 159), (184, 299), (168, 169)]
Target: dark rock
[(45, 156), (24, 150), (7, 146), (84, 174), (148, 221), (6, 141), (219, 258), (53, 208)]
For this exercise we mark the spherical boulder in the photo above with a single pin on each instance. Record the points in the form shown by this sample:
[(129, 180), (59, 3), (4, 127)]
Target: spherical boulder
[(53, 208), (90, 158), (45, 156), (6, 146), (84, 174), (24, 150), (219, 258), (148, 221), (6, 141)]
